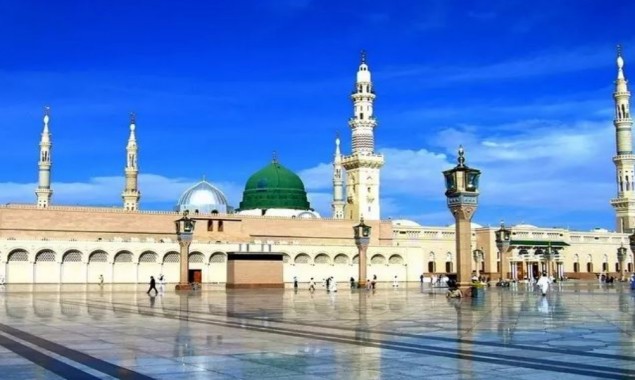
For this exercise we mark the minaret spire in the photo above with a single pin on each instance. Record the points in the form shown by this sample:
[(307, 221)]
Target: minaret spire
[(43, 191), (363, 165), (338, 183), (131, 194), (624, 159)]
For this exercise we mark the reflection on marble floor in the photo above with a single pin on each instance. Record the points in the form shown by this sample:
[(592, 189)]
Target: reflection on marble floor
[(579, 330)]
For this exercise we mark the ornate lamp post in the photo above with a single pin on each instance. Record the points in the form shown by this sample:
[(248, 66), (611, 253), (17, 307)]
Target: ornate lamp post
[(184, 231), (478, 258), (362, 238), (621, 257), (503, 242), (461, 183)]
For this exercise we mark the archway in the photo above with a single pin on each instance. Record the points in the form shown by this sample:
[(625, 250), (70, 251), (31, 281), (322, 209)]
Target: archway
[(218, 267), (47, 271), (397, 267), (149, 265), (378, 268), (98, 266), (123, 268), (19, 269), (73, 270), (171, 268), (197, 263)]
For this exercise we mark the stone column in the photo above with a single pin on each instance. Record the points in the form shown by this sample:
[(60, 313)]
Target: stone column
[(462, 216), (362, 246), (185, 239)]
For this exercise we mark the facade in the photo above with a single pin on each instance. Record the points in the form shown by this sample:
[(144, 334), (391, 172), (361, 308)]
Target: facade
[(48, 243)]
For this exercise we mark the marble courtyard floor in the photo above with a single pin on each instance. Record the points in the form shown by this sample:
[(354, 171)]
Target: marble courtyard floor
[(579, 331)]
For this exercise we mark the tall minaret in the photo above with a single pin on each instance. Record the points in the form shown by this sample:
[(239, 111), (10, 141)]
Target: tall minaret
[(43, 191), (362, 166), (338, 183), (131, 192), (624, 160)]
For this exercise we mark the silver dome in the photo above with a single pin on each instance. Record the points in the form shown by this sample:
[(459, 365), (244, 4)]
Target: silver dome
[(204, 198)]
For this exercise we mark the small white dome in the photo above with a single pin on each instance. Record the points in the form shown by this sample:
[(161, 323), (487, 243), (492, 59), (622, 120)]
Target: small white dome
[(405, 223), (204, 198), (525, 226), (473, 225)]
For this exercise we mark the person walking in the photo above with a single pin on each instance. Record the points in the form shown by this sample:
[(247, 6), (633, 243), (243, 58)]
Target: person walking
[(421, 279), (395, 283), (543, 284), (352, 280), (101, 280), (161, 284), (311, 285), (153, 285), (295, 282)]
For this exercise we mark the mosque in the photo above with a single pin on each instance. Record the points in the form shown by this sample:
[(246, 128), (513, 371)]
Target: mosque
[(57, 244)]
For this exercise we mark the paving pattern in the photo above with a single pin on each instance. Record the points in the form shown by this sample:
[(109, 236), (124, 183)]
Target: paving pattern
[(578, 331)]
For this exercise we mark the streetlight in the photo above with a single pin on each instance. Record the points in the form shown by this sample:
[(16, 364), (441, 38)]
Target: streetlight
[(362, 238), (461, 191), (478, 258), (621, 257), (184, 232), (503, 242)]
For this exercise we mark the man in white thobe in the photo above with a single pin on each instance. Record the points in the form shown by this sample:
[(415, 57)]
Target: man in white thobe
[(543, 284)]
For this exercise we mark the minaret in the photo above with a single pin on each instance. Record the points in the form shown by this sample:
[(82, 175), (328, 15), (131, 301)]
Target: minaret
[(624, 160), (131, 192), (43, 191), (362, 166), (338, 183)]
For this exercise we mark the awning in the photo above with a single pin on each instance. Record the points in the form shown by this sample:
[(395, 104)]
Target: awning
[(539, 243)]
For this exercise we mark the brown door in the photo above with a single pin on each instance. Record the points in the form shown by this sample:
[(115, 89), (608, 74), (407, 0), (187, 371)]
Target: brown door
[(195, 275)]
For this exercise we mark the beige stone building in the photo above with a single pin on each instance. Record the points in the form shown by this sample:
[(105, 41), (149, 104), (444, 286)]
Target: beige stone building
[(48, 243)]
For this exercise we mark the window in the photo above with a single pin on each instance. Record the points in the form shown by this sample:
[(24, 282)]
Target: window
[(605, 267), (589, 267), (431, 267), (220, 226), (576, 267), (448, 267)]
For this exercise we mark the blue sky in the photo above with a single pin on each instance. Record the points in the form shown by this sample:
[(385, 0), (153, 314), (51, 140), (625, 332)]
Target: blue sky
[(218, 86)]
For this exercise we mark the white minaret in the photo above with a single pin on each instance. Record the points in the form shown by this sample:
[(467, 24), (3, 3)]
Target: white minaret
[(43, 191), (363, 165), (624, 160), (338, 183), (131, 192)]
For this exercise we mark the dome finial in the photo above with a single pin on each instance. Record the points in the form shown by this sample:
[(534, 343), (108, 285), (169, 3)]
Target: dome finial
[(363, 56), (133, 121), (274, 157), (620, 63), (203, 177), (47, 115), (461, 158)]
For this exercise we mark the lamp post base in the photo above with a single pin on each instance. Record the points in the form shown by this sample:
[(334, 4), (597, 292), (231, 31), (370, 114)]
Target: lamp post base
[(181, 287)]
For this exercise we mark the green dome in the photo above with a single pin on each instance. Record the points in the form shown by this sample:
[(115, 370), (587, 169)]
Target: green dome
[(274, 186)]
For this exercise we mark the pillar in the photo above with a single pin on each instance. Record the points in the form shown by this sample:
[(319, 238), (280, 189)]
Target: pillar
[(361, 251), (185, 239)]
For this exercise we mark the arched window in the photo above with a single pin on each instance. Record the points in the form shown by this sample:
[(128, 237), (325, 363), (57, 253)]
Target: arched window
[(197, 257), (73, 256), (341, 259), (322, 259), (171, 257), (148, 257), (378, 259), (218, 257)]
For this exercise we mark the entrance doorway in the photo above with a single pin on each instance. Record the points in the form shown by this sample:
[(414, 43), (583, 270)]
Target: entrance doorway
[(195, 275)]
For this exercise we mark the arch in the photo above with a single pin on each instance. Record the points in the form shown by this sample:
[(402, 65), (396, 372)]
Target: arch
[(72, 256), (589, 258), (148, 257), (302, 258), (98, 256), (197, 257), (18, 255), (356, 259), (286, 258), (448, 257), (45, 255), (322, 258), (396, 259), (606, 258), (576, 258), (123, 257), (171, 257), (218, 257), (523, 252), (341, 259), (378, 259)]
